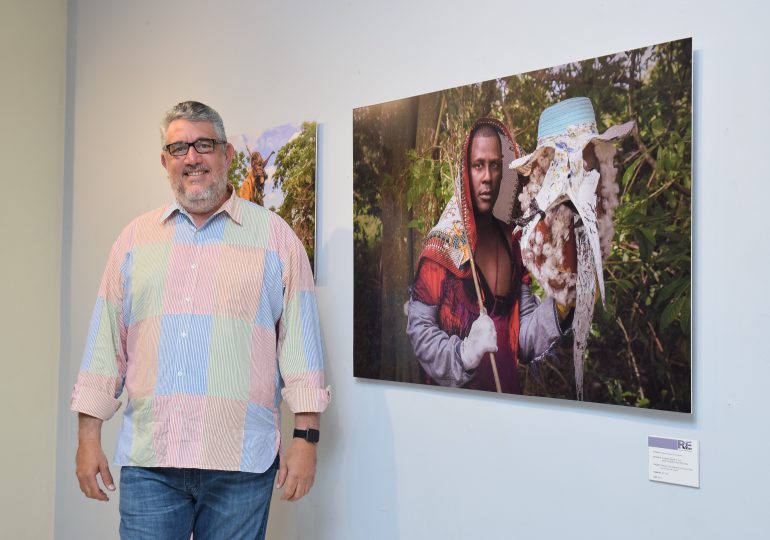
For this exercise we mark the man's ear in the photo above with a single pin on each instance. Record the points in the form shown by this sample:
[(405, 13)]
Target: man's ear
[(163, 160), (229, 152)]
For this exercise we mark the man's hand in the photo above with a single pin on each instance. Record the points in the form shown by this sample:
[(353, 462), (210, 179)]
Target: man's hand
[(90, 459), (297, 472), (481, 339)]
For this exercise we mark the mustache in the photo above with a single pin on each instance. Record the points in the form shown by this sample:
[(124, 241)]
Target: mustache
[(194, 168)]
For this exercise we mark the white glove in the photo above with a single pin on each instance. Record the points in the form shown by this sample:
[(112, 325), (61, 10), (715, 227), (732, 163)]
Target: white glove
[(481, 339)]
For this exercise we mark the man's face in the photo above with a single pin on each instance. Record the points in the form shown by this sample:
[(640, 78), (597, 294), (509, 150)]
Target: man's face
[(199, 181), (486, 172)]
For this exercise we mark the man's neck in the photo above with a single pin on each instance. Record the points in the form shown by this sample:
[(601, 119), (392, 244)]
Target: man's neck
[(485, 223), (199, 218)]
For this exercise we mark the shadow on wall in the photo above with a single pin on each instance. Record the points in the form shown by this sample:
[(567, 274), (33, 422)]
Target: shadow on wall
[(354, 495)]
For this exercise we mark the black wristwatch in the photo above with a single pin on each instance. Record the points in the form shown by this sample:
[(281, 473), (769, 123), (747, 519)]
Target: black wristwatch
[(310, 435)]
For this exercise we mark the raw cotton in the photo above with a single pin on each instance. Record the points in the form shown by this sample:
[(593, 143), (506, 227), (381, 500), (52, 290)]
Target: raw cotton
[(555, 251)]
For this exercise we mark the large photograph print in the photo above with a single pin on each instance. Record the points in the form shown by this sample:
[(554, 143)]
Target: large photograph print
[(531, 234)]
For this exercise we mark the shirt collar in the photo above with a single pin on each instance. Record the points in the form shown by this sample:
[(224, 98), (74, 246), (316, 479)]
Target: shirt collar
[(232, 207)]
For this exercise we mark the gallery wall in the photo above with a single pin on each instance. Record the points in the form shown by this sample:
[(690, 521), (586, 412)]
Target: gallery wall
[(32, 56), (401, 461)]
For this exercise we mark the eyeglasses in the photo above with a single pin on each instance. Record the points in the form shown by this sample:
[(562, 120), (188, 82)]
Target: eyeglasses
[(202, 146)]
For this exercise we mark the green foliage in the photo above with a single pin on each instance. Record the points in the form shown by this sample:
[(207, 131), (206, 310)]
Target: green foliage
[(239, 169), (367, 230), (295, 170), (430, 188)]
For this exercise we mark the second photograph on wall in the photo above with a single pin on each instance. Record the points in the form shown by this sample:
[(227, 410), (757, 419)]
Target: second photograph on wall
[(276, 168), (531, 234)]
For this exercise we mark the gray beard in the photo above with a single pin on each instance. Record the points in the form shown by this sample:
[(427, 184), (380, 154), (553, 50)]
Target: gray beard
[(204, 202)]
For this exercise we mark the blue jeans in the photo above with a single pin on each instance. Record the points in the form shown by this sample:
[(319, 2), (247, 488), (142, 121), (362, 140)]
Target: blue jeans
[(161, 503)]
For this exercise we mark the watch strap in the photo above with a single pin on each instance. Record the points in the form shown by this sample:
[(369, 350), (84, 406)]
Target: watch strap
[(310, 435)]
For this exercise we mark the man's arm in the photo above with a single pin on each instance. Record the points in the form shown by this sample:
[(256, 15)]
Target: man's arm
[(438, 352), (100, 381), (540, 325), (297, 472), (90, 459), (300, 361), (448, 359)]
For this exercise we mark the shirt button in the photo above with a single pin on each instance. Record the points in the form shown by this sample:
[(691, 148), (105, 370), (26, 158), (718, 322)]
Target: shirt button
[(187, 299), (179, 374), (183, 333), (194, 266)]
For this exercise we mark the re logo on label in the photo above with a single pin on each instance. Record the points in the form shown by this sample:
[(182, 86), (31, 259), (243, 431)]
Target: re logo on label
[(684, 445)]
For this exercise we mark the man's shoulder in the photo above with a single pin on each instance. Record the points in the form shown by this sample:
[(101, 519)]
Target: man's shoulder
[(152, 218), (252, 209), (143, 224), (255, 214)]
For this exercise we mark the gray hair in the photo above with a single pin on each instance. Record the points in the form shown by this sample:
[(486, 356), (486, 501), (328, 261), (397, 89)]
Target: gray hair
[(194, 111)]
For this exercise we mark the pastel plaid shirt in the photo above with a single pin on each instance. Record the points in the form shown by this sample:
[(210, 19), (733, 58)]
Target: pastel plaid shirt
[(206, 329)]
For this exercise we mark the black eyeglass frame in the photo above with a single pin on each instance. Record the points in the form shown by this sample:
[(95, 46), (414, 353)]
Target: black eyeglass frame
[(213, 142)]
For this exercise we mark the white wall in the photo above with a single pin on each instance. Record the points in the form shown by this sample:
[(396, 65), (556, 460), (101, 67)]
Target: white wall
[(32, 44), (400, 461)]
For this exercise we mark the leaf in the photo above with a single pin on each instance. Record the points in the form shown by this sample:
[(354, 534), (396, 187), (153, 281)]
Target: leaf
[(623, 284), (672, 289), (644, 243), (415, 223), (411, 195), (669, 315), (657, 127), (630, 171), (649, 235)]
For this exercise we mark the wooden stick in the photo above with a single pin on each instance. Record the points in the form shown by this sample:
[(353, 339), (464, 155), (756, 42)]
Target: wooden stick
[(483, 311)]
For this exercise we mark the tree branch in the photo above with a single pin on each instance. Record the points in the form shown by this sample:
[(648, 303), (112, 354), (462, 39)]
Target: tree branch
[(632, 358), (635, 133)]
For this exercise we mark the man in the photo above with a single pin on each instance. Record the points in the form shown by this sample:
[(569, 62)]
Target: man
[(450, 334), (206, 314)]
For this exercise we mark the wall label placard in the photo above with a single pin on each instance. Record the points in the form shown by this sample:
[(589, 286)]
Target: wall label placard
[(674, 461)]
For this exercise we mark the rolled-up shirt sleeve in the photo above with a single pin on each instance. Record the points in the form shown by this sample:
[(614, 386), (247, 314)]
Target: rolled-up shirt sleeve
[(103, 368), (300, 347)]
